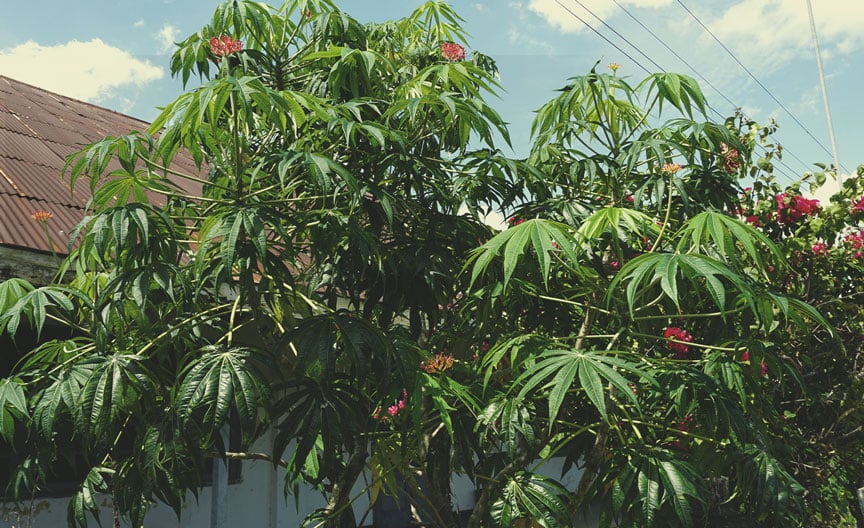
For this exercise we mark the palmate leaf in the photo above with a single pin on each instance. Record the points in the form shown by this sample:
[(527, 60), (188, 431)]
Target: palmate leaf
[(652, 486), (326, 413), (337, 343), (624, 224), (222, 379), (530, 496), (764, 485), (509, 419), (717, 234), (60, 398), (84, 500), (116, 384), (667, 269), (681, 91), (34, 305), (541, 235), (557, 371), (13, 406)]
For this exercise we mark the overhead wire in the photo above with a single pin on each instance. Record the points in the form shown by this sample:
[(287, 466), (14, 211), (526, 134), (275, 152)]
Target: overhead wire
[(707, 83), (758, 82), (652, 61)]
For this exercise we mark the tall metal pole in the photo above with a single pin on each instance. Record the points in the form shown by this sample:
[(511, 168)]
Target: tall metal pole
[(824, 90)]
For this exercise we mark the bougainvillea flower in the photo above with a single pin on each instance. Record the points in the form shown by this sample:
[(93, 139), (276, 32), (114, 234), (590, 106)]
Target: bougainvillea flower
[(673, 337), (452, 52), (224, 45), (858, 205), (820, 248), (791, 208)]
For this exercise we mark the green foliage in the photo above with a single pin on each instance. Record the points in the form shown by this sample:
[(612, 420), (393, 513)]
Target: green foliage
[(314, 274)]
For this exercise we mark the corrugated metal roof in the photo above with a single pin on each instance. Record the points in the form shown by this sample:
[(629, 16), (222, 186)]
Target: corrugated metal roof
[(38, 130)]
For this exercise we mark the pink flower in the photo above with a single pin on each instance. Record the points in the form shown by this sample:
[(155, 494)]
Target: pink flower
[(452, 52), (615, 265), (224, 45), (393, 410), (820, 248), (674, 337), (484, 346), (858, 205), (514, 221)]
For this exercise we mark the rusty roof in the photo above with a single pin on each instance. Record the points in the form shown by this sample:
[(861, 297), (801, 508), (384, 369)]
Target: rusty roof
[(38, 130)]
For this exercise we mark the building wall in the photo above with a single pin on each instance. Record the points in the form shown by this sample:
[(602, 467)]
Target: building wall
[(257, 501)]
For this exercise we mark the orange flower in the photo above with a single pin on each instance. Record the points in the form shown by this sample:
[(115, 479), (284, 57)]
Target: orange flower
[(671, 168), (42, 216)]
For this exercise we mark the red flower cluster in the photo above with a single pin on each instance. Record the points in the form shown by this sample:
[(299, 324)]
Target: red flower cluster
[(730, 158), (678, 334), (753, 220), (452, 52), (514, 221), (224, 45), (858, 205), (684, 425), (856, 242), (437, 363), (745, 358), (793, 208), (820, 248)]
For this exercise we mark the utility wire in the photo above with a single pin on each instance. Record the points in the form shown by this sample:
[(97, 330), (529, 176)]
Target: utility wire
[(703, 79), (601, 35), (656, 65), (752, 76)]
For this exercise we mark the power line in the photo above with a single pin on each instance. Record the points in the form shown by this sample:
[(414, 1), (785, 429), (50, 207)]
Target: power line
[(703, 79), (589, 26), (656, 65), (752, 76)]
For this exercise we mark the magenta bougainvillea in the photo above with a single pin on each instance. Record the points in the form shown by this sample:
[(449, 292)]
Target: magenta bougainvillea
[(791, 208)]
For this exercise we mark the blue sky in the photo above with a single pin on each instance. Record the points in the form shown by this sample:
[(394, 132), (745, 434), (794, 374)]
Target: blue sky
[(115, 53)]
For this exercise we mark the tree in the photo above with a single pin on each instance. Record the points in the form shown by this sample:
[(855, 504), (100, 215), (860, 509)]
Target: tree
[(326, 252)]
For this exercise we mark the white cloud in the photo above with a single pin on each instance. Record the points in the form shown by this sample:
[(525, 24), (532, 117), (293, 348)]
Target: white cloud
[(167, 36), (138, 23), (779, 30), (562, 16), (90, 71), (480, 7)]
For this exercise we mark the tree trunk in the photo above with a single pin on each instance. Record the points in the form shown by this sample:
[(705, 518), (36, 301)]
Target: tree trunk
[(339, 511)]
